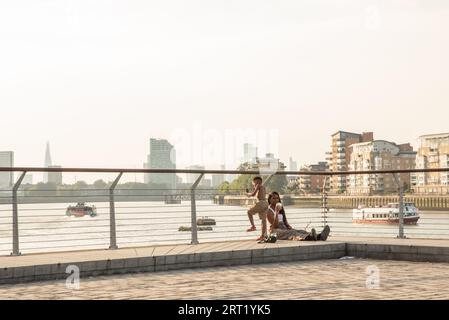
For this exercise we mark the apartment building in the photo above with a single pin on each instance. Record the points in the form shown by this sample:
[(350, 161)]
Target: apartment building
[(339, 156), (379, 155), (310, 184), (432, 153)]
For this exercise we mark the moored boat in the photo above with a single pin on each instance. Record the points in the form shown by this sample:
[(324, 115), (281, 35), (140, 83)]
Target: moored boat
[(184, 228), (206, 221), (81, 209), (388, 214)]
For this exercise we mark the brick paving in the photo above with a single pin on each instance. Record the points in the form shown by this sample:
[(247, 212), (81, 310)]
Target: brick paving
[(323, 279)]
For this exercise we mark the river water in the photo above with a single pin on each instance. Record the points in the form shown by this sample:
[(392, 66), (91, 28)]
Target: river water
[(45, 227)]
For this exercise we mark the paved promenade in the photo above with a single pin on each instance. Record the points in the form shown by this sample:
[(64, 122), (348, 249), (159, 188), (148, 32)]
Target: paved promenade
[(319, 279), (404, 268)]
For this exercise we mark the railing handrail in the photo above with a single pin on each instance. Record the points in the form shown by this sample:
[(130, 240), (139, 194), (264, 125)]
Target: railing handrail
[(187, 171)]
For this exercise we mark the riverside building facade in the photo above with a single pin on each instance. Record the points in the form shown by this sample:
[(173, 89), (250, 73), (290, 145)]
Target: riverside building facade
[(339, 156), (379, 155), (432, 153)]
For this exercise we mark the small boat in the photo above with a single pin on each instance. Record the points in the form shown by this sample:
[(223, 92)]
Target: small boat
[(206, 221), (388, 214), (199, 228), (81, 209), (172, 199)]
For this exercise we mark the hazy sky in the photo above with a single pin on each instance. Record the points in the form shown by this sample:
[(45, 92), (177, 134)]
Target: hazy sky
[(99, 78)]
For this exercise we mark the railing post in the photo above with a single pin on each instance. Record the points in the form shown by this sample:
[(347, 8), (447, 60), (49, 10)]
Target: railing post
[(15, 217), (112, 225), (193, 210), (325, 204), (401, 206)]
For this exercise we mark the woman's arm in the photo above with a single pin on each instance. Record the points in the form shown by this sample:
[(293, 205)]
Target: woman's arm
[(272, 220), (284, 216)]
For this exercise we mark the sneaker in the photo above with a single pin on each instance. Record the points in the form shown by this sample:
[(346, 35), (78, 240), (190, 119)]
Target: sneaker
[(325, 233), (313, 234), (253, 228)]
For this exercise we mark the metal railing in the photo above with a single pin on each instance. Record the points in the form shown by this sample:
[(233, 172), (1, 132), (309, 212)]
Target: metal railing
[(41, 227)]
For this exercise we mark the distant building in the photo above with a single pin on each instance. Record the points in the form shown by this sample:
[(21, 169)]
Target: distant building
[(312, 183), (55, 177), (267, 164), (432, 153), (6, 160), (339, 156), (293, 165), (379, 155), (206, 183), (218, 179), (162, 156), (249, 152), (28, 179), (191, 178), (48, 163)]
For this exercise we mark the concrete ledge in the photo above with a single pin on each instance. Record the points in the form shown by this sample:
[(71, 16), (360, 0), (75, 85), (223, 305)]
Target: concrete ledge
[(398, 252), (266, 253), (53, 266)]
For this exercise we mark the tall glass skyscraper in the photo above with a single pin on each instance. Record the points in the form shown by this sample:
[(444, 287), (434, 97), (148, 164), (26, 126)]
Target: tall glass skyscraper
[(48, 163), (162, 156), (6, 160)]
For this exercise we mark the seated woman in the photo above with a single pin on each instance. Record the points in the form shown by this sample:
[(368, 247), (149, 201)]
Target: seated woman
[(279, 224)]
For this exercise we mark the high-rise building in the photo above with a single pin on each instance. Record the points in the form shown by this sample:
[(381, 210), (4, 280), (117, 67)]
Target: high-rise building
[(293, 165), (379, 155), (55, 177), (339, 156), (249, 152), (192, 177), (162, 156), (48, 163), (51, 177), (218, 179), (6, 160), (432, 153)]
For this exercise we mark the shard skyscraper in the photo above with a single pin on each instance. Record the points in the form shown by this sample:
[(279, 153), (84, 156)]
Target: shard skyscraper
[(48, 162)]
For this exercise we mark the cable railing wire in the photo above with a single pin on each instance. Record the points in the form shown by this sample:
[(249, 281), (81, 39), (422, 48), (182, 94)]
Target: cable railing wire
[(150, 223)]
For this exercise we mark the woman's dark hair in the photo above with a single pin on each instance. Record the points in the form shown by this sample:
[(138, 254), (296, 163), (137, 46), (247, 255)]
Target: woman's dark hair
[(257, 178), (270, 196), (274, 193)]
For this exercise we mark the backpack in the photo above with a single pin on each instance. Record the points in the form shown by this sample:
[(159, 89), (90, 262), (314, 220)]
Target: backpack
[(271, 238)]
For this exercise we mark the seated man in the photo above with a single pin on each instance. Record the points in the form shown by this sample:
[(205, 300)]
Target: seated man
[(279, 224)]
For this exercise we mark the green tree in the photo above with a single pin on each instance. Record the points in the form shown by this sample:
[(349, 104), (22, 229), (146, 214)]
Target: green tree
[(42, 190), (224, 188), (79, 185), (242, 183), (100, 184), (277, 183)]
